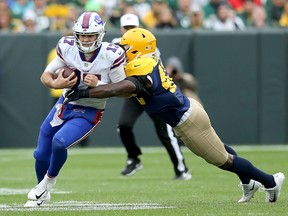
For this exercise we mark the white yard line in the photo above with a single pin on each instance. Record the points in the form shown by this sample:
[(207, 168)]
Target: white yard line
[(85, 206)]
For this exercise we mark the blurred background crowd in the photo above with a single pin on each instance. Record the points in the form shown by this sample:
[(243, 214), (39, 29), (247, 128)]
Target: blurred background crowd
[(218, 15)]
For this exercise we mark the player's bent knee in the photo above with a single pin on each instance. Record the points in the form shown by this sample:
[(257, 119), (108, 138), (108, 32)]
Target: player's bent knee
[(223, 162), (59, 144), (41, 156), (228, 163)]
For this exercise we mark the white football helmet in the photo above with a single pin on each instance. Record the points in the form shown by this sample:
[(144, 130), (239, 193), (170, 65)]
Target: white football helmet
[(89, 23)]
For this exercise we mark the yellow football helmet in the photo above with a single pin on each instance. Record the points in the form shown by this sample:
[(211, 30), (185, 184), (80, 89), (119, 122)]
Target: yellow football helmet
[(138, 42)]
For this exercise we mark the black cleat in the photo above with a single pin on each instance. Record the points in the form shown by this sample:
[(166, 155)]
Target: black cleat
[(131, 167)]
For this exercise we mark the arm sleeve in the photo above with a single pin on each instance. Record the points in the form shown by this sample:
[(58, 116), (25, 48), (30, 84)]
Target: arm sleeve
[(139, 82)]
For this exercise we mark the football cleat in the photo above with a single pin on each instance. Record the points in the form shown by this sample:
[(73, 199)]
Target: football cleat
[(249, 190), (37, 203), (183, 176), (272, 194), (41, 193), (131, 167)]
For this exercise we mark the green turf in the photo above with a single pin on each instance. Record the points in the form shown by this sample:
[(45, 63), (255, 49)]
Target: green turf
[(90, 184)]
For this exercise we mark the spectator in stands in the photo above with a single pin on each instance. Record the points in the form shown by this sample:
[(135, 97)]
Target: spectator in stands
[(150, 18), (39, 9), (283, 22), (141, 7), (129, 10), (107, 6), (225, 20), (29, 23), (173, 4), (259, 18), (73, 14), (114, 19), (246, 13), (183, 14), (210, 9), (185, 81), (58, 16), (166, 19), (196, 17), (275, 9), (201, 3), (238, 5), (8, 24), (102, 11), (4, 5), (18, 7)]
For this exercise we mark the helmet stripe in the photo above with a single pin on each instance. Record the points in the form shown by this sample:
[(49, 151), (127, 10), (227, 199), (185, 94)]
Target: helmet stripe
[(86, 19)]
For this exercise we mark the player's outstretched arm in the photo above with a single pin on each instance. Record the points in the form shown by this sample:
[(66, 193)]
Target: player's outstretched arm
[(123, 88)]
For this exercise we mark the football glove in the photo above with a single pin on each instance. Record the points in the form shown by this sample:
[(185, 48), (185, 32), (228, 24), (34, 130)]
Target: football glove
[(73, 95)]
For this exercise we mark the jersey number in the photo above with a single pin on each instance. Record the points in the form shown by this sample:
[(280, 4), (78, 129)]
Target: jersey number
[(167, 82)]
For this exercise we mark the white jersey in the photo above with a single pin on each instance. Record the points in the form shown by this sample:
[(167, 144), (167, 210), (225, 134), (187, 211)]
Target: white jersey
[(106, 63)]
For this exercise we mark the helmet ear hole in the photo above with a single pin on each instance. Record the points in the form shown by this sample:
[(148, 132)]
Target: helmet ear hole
[(141, 43)]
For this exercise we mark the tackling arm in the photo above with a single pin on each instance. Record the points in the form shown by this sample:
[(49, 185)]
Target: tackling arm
[(123, 88), (131, 86)]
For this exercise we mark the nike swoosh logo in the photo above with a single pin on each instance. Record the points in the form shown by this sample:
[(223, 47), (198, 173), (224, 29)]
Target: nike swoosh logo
[(252, 186), (137, 65), (38, 197), (40, 203)]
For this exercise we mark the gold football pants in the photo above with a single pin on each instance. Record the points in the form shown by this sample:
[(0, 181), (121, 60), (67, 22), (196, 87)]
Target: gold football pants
[(200, 137)]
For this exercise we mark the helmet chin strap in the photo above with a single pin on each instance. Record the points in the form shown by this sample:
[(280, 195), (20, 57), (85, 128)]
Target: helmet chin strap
[(138, 55)]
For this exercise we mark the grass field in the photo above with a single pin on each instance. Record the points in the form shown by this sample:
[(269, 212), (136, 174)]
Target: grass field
[(90, 184)]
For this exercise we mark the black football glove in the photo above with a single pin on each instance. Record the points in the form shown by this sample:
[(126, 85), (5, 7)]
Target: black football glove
[(73, 95)]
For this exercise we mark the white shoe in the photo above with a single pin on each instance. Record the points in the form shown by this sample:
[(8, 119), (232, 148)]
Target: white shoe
[(35, 203), (249, 190), (41, 193), (41, 190), (272, 194)]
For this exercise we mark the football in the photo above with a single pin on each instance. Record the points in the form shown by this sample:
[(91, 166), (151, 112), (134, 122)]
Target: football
[(67, 72)]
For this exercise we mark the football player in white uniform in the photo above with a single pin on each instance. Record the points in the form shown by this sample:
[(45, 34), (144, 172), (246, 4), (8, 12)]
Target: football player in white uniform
[(68, 124)]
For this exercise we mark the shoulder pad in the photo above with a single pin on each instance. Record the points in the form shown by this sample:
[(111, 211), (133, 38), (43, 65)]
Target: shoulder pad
[(64, 45), (140, 67), (112, 52)]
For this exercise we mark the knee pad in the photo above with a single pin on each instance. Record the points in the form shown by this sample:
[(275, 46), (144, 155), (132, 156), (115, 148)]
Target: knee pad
[(41, 156), (58, 144)]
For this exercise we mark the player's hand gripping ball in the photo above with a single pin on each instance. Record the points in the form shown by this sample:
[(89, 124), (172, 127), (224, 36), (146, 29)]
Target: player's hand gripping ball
[(66, 73)]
